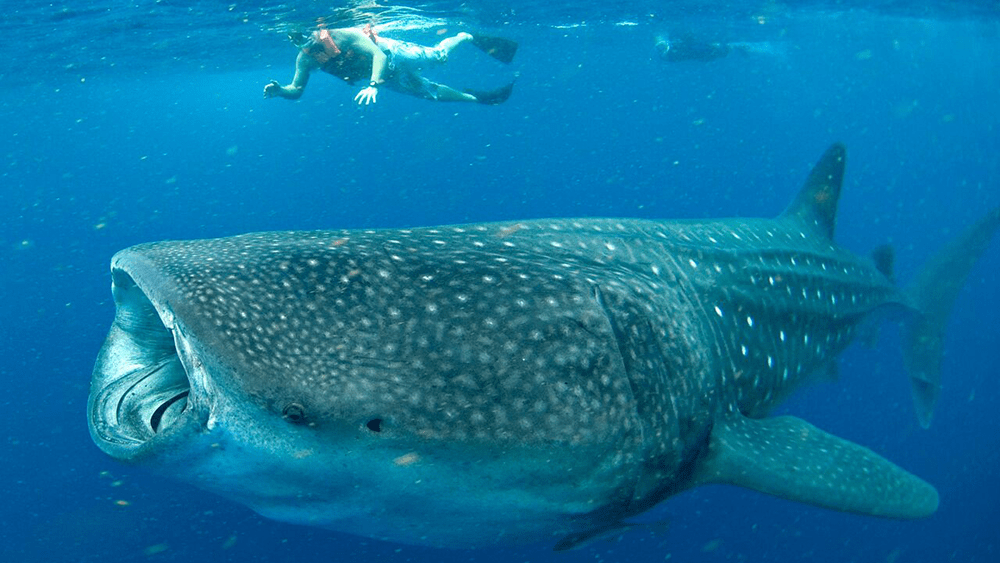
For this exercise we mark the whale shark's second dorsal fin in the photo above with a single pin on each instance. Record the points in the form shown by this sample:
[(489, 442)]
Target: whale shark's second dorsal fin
[(884, 258), (816, 203)]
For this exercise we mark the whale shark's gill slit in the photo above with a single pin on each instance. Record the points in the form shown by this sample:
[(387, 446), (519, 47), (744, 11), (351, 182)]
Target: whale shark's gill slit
[(146, 372), (158, 414)]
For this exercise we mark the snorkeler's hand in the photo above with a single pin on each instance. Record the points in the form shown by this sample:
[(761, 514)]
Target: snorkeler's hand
[(367, 96), (272, 89)]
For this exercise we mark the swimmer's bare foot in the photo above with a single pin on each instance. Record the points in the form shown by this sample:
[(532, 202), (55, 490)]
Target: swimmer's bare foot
[(450, 43)]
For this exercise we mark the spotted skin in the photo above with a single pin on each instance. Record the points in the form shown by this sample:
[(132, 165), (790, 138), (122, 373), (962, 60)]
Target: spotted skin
[(494, 383)]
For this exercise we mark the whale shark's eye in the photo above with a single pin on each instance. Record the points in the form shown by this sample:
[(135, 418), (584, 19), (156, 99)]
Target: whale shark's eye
[(375, 424), (293, 412)]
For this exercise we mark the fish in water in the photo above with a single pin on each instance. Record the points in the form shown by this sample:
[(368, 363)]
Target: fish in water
[(508, 383)]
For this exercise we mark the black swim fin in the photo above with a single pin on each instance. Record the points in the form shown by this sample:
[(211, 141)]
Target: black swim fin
[(492, 97), (499, 48)]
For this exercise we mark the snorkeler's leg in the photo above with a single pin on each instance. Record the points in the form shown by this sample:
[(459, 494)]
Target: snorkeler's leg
[(450, 43), (449, 94), (413, 84)]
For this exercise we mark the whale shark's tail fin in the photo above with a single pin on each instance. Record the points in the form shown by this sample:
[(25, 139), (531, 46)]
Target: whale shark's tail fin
[(932, 294)]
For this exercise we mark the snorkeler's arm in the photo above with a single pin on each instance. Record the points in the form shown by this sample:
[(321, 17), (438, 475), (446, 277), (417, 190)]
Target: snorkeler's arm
[(356, 39), (304, 64), (362, 43)]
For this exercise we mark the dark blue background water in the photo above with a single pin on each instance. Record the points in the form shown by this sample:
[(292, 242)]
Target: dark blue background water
[(126, 125)]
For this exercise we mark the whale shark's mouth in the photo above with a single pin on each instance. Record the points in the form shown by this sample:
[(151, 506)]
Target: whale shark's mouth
[(140, 387)]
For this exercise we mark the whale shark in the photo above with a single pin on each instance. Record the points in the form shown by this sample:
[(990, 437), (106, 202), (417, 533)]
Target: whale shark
[(516, 382)]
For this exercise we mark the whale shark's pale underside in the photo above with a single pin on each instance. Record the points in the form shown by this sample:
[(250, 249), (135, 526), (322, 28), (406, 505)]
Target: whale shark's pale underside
[(512, 382)]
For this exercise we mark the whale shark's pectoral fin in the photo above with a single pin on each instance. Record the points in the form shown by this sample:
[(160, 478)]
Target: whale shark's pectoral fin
[(792, 459)]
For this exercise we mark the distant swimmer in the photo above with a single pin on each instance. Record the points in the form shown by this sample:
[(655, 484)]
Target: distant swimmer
[(354, 54), (687, 48)]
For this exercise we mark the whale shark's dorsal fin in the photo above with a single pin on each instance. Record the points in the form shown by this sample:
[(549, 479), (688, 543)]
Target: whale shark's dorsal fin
[(816, 203), (792, 459)]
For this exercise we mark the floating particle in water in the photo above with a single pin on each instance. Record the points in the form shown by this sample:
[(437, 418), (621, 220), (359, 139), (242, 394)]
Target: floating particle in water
[(156, 549), (406, 459)]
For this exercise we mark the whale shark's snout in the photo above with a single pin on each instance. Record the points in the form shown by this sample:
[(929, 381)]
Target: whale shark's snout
[(140, 387)]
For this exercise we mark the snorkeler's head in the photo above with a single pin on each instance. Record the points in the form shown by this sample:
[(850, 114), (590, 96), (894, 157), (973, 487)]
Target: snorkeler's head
[(298, 38), (662, 43)]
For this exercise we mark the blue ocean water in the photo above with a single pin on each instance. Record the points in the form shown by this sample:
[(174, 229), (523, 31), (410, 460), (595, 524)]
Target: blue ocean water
[(143, 121)]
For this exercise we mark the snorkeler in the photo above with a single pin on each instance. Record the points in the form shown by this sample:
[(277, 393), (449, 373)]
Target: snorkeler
[(353, 54), (686, 48)]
